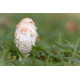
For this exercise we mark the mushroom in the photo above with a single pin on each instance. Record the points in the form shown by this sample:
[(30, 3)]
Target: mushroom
[(25, 36)]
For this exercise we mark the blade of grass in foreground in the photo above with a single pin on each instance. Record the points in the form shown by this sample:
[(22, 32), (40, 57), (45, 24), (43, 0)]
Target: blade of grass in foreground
[(60, 46), (16, 50), (64, 48), (76, 46)]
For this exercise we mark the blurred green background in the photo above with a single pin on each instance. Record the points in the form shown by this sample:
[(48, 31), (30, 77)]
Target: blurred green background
[(58, 43)]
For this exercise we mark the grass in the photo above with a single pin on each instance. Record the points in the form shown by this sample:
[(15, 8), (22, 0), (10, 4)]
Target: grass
[(54, 47)]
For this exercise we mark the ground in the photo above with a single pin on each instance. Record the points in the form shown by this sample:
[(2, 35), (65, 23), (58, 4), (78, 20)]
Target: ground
[(55, 46)]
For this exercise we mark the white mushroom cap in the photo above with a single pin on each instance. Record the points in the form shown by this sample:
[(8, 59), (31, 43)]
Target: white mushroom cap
[(25, 35)]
